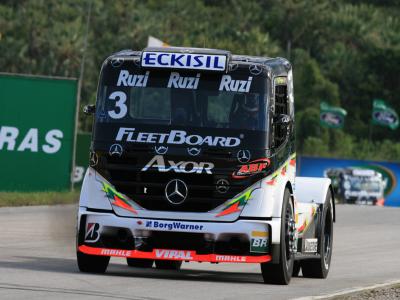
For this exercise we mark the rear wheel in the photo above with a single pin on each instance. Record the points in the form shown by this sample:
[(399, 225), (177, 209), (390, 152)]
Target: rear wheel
[(281, 273), (139, 263), (168, 264), (92, 263), (319, 268)]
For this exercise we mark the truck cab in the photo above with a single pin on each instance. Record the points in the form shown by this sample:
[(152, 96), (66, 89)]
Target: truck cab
[(193, 159)]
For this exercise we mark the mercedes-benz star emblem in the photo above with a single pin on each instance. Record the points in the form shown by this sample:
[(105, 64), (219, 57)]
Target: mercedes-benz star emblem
[(161, 150), (117, 62), (255, 69), (222, 186), (115, 150), (243, 156), (94, 159), (176, 191), (194, 151)]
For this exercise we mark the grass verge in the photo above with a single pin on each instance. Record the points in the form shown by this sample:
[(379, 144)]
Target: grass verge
[(37, 198)]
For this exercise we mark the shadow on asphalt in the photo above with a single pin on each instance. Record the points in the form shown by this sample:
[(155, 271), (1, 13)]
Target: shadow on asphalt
[(64, 265)]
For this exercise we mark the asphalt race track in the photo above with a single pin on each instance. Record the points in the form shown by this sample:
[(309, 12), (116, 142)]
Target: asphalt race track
[(37, 261)]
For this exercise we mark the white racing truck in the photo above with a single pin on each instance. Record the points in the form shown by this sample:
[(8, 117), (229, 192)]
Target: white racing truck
[(193, 159)]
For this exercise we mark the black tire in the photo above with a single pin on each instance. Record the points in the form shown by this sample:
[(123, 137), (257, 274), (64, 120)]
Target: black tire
[(296, 269), (168, 264), (281, 273), (139, 263), (319, 268), (92, 263)]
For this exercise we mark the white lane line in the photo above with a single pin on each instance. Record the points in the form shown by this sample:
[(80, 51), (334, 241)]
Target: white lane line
[(350, 291)]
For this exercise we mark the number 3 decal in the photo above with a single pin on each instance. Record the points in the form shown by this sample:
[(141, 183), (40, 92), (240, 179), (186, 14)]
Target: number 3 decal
[(121, 99)]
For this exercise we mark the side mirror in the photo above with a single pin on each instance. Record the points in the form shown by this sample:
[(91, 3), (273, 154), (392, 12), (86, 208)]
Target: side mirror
[(282, 119), (89, 109), (281, 130)]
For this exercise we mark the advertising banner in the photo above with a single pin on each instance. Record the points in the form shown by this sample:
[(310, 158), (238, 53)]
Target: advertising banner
[(81, 157), (37, 118), (357, 181)]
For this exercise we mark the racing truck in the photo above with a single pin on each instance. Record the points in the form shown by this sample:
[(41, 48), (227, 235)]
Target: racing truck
[(357, 185), (193, 159)]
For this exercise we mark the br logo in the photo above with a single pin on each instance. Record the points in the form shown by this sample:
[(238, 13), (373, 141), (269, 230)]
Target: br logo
[(259, 245), (92, 232)]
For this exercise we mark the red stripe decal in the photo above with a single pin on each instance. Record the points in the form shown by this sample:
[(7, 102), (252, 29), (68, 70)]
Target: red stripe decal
[(169, 254)]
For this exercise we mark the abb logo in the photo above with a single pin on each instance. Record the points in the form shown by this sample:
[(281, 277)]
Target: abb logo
[(252, 168), (174, 254)]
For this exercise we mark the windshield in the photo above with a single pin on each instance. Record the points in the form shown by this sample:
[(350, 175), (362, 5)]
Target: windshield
[(192, 99)]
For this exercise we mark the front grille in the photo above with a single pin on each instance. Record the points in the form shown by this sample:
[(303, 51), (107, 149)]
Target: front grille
[(180, 241), (226, 243), (148, 188)]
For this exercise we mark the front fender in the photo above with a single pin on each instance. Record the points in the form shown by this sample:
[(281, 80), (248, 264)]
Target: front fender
[(314, 190), (267, 201), (311, 189), (92, 195)]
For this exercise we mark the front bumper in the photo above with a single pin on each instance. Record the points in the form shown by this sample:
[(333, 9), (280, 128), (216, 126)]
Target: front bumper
[(242, 241)]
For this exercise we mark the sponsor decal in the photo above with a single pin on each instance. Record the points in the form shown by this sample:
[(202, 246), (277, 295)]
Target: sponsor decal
[(173, 225), (176, 191), (236, 204), (230, 258), (307, 221), (233, 85), (174, 254), (222, 186), (117, 199), (160, 149), (259, 241), (92, 232), (243, 156), (255, 69), (30, 140), (186, 167), (259, 245), (117, 62), (115, 150), (183, 61), (175, 137), (180, 82), (282, 171), (252, 168), (94, 159), (132, 80), (193, 151), (311, 245), (116, 252)]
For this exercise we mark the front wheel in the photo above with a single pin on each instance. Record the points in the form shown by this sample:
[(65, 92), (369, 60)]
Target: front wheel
[(319, 268), (281, 273), (92, 263)]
